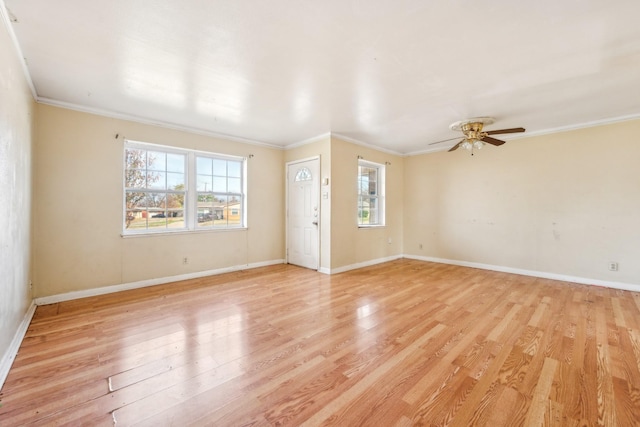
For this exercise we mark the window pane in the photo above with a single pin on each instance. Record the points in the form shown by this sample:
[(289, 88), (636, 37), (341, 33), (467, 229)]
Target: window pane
[(363, 211), (219, 184), (157, 219), (205, 210), (175, 162), (303, 174), (219, 167), (219, 203), (175, 201), (235, 169), (155, 201), (157, 180), (134, 178), (175, 219), (233, 212), (234, 185), (220, 211), (373, 188), (203, 166), (363, 186), (136, 163), (135, 159), (368, 178), (175, 181), (373, 211), (156, 161), (136, 204), (135, 200), (205, 183), (136, 220)]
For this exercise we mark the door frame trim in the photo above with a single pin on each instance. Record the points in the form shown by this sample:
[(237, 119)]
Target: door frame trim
[(318, 200)]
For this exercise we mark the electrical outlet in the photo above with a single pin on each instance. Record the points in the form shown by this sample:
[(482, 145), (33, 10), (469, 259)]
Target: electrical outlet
[(613, 266), (420, 246), (185, 260), (389, 241)]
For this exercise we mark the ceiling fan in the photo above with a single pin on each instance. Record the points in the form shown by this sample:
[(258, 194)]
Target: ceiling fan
[(474, 136)]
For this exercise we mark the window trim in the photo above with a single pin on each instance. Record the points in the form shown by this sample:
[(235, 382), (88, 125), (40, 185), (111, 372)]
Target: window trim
[(381, 184), (191, 192)]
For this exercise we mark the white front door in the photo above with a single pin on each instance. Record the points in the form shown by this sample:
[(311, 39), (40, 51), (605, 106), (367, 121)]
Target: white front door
[(303, 213)]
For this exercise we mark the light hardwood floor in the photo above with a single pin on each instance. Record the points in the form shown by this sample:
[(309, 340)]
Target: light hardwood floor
[(397, 344)]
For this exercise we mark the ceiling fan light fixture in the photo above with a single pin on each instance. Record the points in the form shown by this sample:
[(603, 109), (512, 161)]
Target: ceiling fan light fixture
[(477, 144), (466, 145)]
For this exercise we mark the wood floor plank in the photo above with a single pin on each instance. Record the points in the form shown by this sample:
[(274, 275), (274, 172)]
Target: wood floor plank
[(540, 400), (401, 343), (605, 396)]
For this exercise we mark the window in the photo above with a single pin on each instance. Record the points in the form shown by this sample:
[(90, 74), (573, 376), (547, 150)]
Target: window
[(170, 189), (370, 194), (219, 192), (303, 174), (154, 189)]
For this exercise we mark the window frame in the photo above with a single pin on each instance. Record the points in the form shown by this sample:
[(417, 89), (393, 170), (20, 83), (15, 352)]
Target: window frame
[(380, 196), (190, 208)]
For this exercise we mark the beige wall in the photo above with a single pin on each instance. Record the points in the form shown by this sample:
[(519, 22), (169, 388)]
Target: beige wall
[(16, 123), (351, 244), (565, 203), (78, 213)]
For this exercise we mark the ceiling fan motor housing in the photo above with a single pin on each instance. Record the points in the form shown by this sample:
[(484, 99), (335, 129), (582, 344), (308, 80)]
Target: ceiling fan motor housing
[(472, 128)]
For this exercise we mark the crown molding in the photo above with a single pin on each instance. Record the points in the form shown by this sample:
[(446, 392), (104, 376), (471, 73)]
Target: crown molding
[(578, 126), (308, 141), (146, 121), (426, 151), (343, 138), (367, 145)]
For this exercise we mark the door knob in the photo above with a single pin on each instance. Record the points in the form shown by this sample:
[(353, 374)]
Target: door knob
[(315, 223)]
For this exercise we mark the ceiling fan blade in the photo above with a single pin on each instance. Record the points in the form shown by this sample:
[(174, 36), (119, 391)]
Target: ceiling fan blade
[(444, 140), (499, 131), (455, 147), (493, 141)]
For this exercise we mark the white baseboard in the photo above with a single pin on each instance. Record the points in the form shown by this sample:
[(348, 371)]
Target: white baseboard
[(150, 282), (532, 273), (9, 356), (324, 270), (363, 264)]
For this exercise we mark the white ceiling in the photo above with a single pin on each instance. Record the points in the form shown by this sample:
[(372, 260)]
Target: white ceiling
[(390, 73)]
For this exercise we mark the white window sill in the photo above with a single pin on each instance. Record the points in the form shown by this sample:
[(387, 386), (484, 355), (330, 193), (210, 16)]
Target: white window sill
[(371, 226), (181, 232)]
